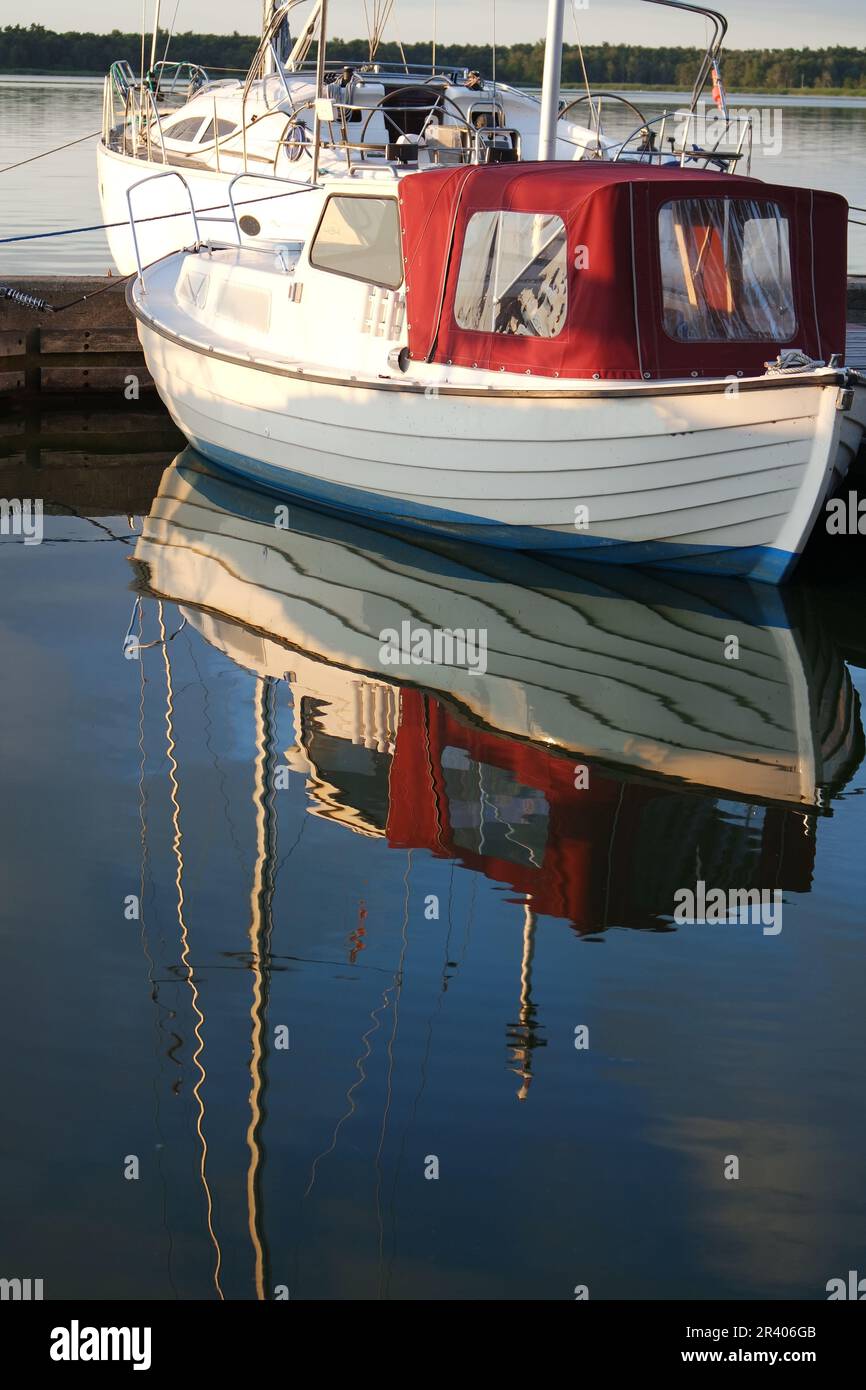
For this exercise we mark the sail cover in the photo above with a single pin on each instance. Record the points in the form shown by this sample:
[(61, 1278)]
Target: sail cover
[(615, 271)]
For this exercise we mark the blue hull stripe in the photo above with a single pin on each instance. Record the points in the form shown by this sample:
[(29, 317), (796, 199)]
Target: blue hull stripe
[(762, 563)]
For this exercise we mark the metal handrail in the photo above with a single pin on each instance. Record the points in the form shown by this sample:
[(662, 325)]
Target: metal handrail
[(151, 178)]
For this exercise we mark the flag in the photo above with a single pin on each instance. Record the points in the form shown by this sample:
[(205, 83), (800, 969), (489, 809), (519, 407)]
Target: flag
[(720, 96)]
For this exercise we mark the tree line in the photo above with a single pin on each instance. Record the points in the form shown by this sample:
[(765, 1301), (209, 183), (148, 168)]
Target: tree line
[(35, 49)]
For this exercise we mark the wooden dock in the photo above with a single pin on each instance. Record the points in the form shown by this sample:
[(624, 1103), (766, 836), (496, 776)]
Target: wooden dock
[(91, 347)]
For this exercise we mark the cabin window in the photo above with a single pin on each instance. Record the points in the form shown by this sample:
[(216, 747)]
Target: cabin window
[(185, 130), (359, 236), (726, 271), (513, 274), (223, 128)]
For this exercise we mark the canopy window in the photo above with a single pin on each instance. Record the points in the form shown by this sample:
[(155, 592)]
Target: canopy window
[(726, 271), (513, 274), (360, 237)]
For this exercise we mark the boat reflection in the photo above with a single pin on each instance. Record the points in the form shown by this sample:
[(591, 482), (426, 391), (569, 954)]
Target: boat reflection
[(626, 735), (624, 730)]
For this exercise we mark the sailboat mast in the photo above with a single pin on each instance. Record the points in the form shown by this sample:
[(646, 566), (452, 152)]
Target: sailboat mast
[(155, 35), (550, 81), (320, 88)]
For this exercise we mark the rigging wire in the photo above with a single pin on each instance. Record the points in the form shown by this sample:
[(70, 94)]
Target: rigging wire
[(155, 217), (493, 36), (580, 55), (381, 11), (170, 34)]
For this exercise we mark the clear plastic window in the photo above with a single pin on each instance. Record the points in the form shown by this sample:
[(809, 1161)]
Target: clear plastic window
[(513, 274), (360, 237), (726, 271)]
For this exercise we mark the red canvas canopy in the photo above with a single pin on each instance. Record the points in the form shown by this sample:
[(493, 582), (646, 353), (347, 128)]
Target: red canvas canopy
[(616, 324), (594, 840)]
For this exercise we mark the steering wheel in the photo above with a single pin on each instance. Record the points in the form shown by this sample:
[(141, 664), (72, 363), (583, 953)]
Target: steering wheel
[(596, 102), (404, 103), (295, 139)]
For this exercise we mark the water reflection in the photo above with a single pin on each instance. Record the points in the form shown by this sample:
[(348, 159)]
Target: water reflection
[(377, 901), (616, 714), (610, 752)]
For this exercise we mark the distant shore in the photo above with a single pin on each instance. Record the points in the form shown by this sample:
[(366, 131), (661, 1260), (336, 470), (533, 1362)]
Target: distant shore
[(856, 93), (33, 50)]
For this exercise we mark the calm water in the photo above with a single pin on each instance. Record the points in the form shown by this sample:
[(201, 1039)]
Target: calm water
[(818, 142), (423, 881)]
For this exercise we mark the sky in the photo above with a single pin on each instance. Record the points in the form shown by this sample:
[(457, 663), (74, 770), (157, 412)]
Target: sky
[(775, 23)]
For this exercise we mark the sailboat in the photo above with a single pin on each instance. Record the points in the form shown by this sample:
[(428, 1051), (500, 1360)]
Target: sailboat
[(632, 359), (304, 115), (271, 123)]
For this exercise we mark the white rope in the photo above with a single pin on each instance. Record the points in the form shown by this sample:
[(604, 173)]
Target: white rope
[(580, 52)]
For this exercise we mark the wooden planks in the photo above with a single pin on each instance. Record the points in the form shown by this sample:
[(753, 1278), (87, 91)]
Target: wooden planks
[(92, 346)]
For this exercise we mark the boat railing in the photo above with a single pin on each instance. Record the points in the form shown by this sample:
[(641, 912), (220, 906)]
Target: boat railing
[(130, 116), (726, 159), (152, 178), (428, 122), (455, 76), (176, 81), (296, 186)]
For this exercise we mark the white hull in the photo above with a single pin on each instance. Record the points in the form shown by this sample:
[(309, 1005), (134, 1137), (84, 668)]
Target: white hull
[(702, 478)]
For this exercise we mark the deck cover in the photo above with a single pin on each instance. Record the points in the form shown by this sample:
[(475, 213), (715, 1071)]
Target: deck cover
[(615, 320)]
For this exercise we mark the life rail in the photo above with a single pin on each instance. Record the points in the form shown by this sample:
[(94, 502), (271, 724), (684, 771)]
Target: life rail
[(152, 178), (295, 185)]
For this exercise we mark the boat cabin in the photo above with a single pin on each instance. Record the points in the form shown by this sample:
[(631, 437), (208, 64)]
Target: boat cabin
[(610, 271), (560, 271)]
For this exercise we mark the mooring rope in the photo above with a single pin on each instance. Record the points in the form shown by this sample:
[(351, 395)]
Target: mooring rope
[(32, 301), (57, 148)]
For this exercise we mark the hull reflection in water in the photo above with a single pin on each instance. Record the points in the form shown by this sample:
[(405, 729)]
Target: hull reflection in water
[(629, 730)]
